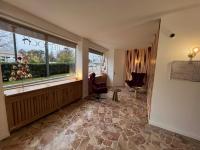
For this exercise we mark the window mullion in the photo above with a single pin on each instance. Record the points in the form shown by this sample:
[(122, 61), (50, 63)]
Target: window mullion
[(14, 43), (47, 57)]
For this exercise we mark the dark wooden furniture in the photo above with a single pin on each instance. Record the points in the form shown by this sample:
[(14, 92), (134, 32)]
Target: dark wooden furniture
[(97, 88), (98, 79), (31, 103)]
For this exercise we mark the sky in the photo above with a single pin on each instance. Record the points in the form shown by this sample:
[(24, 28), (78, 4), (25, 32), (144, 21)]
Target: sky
[(36, 44)]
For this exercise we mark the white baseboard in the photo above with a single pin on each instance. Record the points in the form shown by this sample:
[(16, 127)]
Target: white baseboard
[(166, 127)]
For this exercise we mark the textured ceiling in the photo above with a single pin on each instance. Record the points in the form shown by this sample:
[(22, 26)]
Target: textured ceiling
[(111, 23)]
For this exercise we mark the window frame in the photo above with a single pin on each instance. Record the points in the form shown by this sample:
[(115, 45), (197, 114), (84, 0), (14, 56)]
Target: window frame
[(96, 52), (65, 42)]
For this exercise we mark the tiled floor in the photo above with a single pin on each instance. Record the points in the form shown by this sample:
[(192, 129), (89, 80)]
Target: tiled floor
[(90, 125)]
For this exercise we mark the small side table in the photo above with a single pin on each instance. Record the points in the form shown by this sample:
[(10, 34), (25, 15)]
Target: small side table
[(115, 94), (136, 91)]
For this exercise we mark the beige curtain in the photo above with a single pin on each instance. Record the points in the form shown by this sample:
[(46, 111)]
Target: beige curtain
[(137, 60)]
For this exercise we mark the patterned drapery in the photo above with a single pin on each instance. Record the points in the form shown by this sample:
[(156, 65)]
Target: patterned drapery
[(137, 60)]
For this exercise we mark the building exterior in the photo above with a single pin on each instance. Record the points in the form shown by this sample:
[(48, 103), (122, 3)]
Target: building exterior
[(7, 56)]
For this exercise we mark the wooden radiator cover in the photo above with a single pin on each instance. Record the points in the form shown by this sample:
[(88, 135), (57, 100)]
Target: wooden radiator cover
[(24, 108)]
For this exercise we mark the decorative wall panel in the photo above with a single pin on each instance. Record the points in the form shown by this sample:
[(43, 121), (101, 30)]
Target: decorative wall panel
[(137, 60), (185, 70), (23, 108)]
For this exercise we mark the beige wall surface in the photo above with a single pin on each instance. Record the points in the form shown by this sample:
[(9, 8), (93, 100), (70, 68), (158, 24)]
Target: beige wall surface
[(110, 66), (82, 60), (116, 67), (176, 103), (119, 68), (3, 118)]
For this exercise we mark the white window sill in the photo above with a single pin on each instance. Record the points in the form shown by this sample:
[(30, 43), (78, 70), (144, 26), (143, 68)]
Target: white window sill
[(38, 85), (37, 82)]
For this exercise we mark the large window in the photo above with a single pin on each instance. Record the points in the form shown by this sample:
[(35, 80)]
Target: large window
[(96, 62), (30, 56)]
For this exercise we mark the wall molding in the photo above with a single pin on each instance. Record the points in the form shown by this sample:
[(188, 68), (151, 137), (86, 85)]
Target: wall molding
[(172, 129)]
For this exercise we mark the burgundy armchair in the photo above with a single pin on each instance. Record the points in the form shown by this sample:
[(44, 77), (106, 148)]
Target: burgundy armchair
[(97, 88)]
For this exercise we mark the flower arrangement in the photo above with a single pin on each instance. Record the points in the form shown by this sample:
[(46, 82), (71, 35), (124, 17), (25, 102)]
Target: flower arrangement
[(21, 70)]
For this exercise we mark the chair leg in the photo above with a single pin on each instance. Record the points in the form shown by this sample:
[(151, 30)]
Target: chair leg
[(135, 93), (115, 96)]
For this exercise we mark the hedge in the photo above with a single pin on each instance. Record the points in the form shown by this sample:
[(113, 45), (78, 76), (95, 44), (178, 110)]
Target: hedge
[(39, 70)]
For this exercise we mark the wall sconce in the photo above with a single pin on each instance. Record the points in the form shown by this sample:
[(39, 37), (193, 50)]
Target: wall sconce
[(78, 76), (193, 52)]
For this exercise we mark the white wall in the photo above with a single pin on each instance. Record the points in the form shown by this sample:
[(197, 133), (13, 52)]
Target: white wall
[(176, 103), (82, 63), (82, 60), (110, 70), (119, 68), (3, 118)]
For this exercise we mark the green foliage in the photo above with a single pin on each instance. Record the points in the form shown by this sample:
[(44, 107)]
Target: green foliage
[(39, 70), (37, 56), (34, 56), (52, 57), (63, 63), (65, 55)]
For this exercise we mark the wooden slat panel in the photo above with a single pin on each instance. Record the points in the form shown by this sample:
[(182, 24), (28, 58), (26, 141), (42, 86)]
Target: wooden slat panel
[(32, 107), (42, 104), (39, 105), (29, 106), (19, 111), (22, 110), (15, 113), (25, 107)]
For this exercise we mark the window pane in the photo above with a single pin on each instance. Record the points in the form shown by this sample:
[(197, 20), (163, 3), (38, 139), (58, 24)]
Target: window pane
[(95, 63), (33, 48), (6, 47), (61, 59), (7, 55), (30, 47)]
